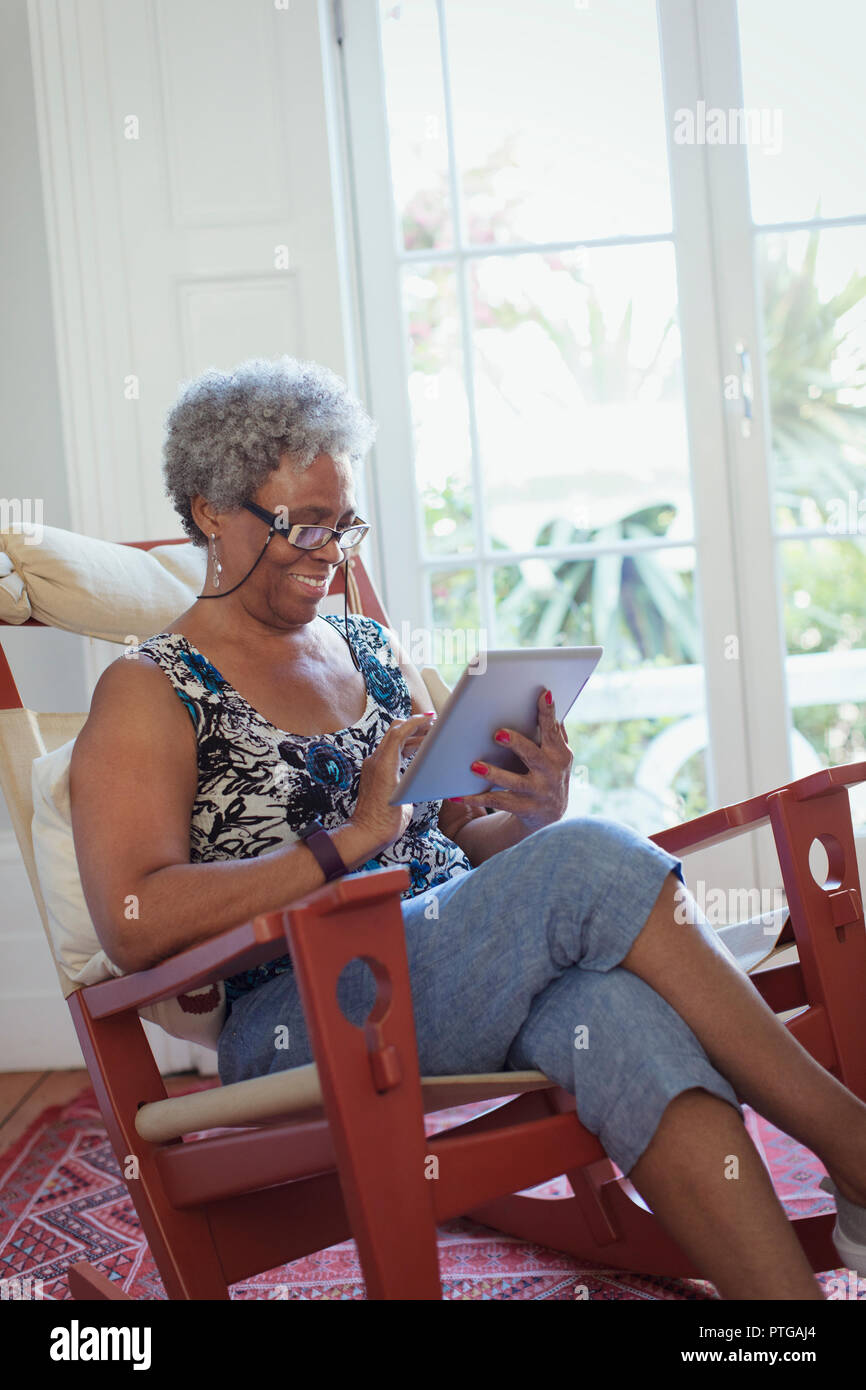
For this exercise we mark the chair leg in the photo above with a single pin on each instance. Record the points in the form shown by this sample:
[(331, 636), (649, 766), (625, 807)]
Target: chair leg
[(641, 1246), (372, 1091), (827, 919), (180, 1241), (607, 1222), (87, 1283)]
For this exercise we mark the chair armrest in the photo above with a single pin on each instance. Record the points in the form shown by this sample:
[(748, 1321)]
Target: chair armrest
[(253, 943), (715, 826), (828, 779), (729, 821)]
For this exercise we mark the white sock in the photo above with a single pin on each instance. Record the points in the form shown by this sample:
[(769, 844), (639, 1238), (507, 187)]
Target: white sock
[(850, 1215)]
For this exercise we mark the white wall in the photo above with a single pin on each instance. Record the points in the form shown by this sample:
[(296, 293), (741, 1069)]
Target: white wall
[(32, 462), (48, 665)]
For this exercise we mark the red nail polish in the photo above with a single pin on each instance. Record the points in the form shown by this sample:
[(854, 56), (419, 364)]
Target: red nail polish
[(548, 697), (478, 767), (502, 736), (455, 798)]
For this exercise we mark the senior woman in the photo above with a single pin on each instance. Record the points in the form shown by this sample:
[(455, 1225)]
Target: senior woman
[(533, 941)]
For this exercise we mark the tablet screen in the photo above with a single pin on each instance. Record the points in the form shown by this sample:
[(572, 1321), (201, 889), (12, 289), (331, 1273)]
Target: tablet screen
[(498, 690)]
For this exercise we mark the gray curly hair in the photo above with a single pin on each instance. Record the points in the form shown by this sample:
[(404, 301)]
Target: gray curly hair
[(227, 430)]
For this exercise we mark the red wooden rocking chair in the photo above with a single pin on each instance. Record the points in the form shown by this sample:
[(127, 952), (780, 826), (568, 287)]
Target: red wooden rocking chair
[(313, 1156)]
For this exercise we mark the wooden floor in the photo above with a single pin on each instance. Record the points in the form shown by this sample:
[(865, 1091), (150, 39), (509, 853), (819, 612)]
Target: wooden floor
[(25, 1094)]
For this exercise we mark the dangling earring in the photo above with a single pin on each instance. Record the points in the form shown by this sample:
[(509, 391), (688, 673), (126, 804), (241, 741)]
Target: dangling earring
[(216, 564)]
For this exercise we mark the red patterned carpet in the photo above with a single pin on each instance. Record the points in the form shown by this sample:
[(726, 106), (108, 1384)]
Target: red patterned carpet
[(62, 1199)]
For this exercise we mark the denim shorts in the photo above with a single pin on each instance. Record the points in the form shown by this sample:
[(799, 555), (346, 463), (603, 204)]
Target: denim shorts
[(516, 965)]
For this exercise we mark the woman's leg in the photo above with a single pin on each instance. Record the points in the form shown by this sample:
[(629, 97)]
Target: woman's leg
[(734, 1228), (481, 947), (745, 1040), (671, 1123)]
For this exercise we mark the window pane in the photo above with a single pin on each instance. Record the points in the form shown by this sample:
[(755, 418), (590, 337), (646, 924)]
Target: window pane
[(558, 119), (416, 115), (803, 76), (579, 396), (829, 736), (440, 416), (620, 771), (825, 630), (639, 744), (640, 608), (457, 634), (814, 295)]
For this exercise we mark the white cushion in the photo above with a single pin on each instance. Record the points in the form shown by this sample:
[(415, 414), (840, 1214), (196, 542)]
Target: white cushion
[(196, 1017), (99, 588)]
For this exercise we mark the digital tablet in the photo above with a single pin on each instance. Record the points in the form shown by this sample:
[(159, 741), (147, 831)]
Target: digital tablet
[(497, 690)]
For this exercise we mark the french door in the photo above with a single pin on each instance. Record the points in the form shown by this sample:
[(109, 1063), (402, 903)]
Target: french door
[(579, 268)]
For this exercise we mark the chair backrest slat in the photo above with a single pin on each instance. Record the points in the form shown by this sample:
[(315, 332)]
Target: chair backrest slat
[(9, 697)]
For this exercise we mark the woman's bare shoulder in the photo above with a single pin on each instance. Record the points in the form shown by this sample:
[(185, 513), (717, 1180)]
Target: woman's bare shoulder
[(134, 695)]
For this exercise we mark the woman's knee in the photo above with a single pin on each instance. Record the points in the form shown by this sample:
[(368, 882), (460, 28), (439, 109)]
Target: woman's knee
[(598, 854), (590, 839), (616, 1044), (596, 881)]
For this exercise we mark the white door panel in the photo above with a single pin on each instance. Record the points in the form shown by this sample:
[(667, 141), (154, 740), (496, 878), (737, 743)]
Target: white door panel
[(188, 175), (194, 220)]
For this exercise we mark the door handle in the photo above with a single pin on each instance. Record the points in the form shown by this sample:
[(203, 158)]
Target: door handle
[(746, 388)]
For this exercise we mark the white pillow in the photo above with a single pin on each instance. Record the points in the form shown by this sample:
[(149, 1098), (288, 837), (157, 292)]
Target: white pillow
[(196, 1017), (99, 588)]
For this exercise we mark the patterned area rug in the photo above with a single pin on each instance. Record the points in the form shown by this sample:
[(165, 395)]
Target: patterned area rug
[(62, 1199)]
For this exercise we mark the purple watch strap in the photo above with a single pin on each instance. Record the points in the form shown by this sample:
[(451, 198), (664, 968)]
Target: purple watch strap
[(326, 853)]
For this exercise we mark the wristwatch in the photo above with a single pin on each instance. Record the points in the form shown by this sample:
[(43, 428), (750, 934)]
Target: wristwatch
[(319, 843)]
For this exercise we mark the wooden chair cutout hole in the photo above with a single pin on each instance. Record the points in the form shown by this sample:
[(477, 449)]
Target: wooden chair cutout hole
[(827, 862), (365, 1000)]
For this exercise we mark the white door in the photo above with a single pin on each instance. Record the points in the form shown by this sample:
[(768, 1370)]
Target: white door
[(195, 218), (187, 159)]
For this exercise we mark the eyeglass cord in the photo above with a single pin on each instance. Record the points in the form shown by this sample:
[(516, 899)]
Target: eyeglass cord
[(271, 533)]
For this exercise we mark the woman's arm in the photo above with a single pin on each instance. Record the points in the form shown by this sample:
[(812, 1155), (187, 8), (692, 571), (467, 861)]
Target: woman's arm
[(133, 782), (482, 836)]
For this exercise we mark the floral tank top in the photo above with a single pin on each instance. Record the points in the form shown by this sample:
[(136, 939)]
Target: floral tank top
[(258, 785)]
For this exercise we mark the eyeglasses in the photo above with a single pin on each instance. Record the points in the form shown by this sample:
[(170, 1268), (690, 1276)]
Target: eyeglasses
[(310, 537)]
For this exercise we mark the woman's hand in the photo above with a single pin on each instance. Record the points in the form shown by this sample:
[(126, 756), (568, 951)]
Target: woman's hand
[(538, 796), (380, 772)]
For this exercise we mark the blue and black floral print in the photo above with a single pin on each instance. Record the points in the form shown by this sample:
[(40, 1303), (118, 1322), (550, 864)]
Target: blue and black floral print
[(258, 785)]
